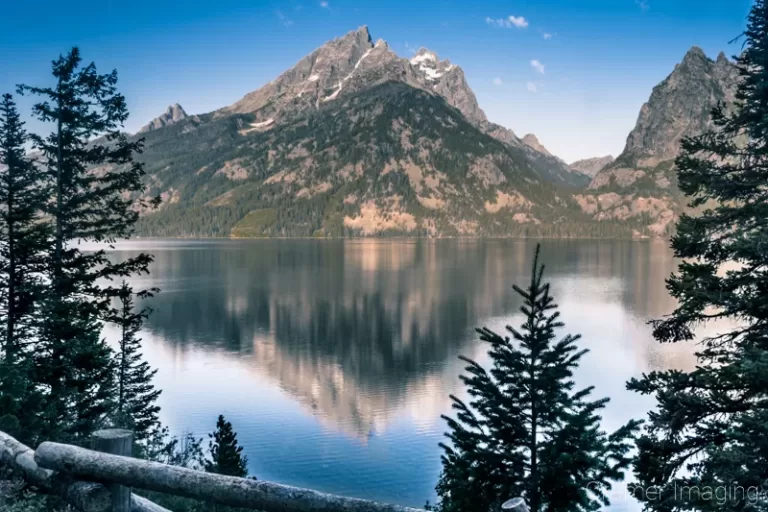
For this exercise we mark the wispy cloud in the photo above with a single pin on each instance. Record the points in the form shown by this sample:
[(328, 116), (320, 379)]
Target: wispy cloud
[(643, 5), (285, 20), (411, 49), (324, 5), (497, 81), (546, 35), (508, 22), (538, 66), (532, 87)]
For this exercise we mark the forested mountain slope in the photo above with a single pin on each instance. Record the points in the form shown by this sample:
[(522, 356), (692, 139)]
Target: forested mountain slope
[(391, 159)]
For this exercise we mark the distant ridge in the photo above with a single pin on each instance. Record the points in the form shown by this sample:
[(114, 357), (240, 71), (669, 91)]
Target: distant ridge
[(172, 115)]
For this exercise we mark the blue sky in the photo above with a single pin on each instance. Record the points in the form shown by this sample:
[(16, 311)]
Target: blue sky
[(600, 58)]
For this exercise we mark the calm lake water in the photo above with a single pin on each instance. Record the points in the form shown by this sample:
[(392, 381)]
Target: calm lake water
[(334, 359)]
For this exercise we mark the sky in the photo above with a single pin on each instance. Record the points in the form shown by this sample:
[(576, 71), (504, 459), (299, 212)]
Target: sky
[(573, 72)]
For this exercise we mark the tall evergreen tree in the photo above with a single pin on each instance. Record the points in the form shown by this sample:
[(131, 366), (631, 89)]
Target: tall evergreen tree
[(526, 431), (23, 242), (136, 396), (709, 430), (226, 455), (95, 179)]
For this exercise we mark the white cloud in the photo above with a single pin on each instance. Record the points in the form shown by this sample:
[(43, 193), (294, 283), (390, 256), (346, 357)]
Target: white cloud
[(497, 81), (324, 5), (546, 35), (538, 66), (508, 22), (286, 21), (519, 22), (642, 4), (532, 87)]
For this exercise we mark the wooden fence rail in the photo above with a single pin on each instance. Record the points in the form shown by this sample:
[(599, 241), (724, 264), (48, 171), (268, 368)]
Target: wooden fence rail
[(110, 474), (83, 496)]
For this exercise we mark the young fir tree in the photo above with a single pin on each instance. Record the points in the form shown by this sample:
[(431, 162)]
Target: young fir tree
[(226, 454), (90, 165), (23, 242), (526, 431), (136, 396), (709, 430)]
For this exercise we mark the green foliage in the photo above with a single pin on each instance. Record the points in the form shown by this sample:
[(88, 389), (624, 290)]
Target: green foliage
[(91, 181), (710, 425), (136, 396), (17, 496), (25, 241), (226, 456), (526, 431), (254, 224)]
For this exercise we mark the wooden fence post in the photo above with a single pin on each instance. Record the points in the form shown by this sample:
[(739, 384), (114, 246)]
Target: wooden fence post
[(117, 442)]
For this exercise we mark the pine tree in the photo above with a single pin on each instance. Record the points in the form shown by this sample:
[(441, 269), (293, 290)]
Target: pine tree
[(710, 427), (136, 396), (95, 179), (226, 454), (526, 432), (23, 241)]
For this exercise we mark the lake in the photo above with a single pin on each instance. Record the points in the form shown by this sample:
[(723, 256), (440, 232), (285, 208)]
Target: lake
[(334, 359)]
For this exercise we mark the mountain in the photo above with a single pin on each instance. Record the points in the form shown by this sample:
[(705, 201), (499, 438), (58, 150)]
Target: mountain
[(531, 140), (355, 140), (388, 160), (172, 115), (641, 182), (353, 63), (591, 166)]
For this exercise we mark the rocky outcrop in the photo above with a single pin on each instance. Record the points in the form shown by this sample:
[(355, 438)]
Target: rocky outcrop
[(679, 107), (591, 166), (172, 115), (448, 81), (531, 140)]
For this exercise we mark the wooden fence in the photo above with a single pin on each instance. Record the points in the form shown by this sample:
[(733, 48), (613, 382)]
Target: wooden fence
[(100, 480)]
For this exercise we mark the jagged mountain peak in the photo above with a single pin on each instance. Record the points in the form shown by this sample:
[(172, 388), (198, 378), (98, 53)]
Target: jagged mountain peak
[(172, 115), (424, 55), (678, 107), (429, 65), (349, 64), (360, 35), (531, 140), (694, 53)]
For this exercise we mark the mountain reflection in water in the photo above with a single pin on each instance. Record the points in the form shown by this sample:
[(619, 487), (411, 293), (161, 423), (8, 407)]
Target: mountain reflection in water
[(335, 359)]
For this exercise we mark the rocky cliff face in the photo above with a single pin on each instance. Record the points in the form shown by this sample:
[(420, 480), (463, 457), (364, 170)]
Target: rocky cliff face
[(591, 166), (679, 107), (448, 81), (642, 180), (172, 115)]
